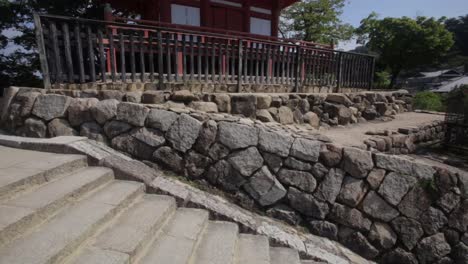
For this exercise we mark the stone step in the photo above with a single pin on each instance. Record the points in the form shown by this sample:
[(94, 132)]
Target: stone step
[(59, 237), (253, 249), (23, 212), (100, 256), (17, 174), (312, 262), (137, 226), (282, 255), (218, 244), (178, 239)]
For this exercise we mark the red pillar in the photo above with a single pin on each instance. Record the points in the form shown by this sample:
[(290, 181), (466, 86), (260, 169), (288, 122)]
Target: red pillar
[(206, 14), (275, 14), (165, 11), (246, 10)]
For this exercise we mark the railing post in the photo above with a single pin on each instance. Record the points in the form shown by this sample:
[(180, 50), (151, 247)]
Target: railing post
[(239, 67), (42, 51), (298, 69), (338, 74), (371, 81)]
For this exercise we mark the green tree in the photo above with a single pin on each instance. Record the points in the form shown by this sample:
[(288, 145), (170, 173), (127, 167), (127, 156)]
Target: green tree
[(316, 20), (405, 43), (459, 28)]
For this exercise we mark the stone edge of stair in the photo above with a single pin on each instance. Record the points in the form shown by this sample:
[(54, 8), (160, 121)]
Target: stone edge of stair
[(309, 246)]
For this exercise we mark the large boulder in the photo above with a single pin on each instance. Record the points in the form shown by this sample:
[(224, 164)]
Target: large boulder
[(398, 255), (247, 161), (208, 107), (33, 127), (433, 248), (432, 220), (415, 202), (264, 187), (296, 164), (244, 104), (105, 110), (378, 208), (263, 101), (312, 119), (395, 186), (359, 244), (299, 179), (161, 119), (184, 132), (222, 174), (153, 97), (324, 229), (331, 155), (306, 149), (50, 106), (357, 162), (184, 96), (409, 231), (79, 110), (195, 164), (115, 128), (285, 115), (307, 204), (223, 101), (169, 158), (330, 186), (285, 213), (237, 136), (375, 178), (352, 191), (93, 130), (339, 99), (26, 101), (275, 142), (149, 136), (60, 127), (134, 114), (133, 146), (349, 217), (264, 116), (206, 137), (382, 235)]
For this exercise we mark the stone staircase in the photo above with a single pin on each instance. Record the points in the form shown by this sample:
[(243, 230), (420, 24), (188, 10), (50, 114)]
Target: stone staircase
[(56, 209)]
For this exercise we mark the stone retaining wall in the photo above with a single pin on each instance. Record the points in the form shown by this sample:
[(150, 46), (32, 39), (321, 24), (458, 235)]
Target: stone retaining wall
[(407, 139), (315, 109), (384, 207)]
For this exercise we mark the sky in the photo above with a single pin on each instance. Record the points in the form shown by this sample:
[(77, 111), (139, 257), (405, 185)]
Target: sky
[(356, 10)]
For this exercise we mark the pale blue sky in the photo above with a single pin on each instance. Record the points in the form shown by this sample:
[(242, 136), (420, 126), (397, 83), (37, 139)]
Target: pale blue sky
[(356, 10)]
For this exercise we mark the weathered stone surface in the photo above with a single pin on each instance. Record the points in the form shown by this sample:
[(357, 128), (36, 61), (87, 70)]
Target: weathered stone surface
[(161, 119), (169, 158), (403, 166), (207, 107), (132, 146), (264, 116), (458, 219), (236, 136), (274, 162), (307, 204), (324, 229), (110, 94), (264, 187), (352, 191), (285, 213), (399, 255), (26, 101), (60, 127), (395, 186), (115, 128), (218, 151), (432, 220), (331, 155), (50, 106), (448, 201), (133, 97), (184, 132), (184, 96), (93, 130), (105, 110), (415, 202), (153, 97), (134, 114), (319, 171), (432, 248), (149, 136), (244, 104), (207, 137), (359, 244), (306, 149), (299, 179), (223, 101), (195, 164), (33, 127), (460, 253), (312, 119), (349, 217), (222, 174), (285, 115), (451, 236), (378, 208), (375, 178), (247, 161), (339, 99), (298, 118), (330, 187), (275, 142), (357, 162), (263, 101), (409, 231), (79, 110), (382, 235), (296, 164)]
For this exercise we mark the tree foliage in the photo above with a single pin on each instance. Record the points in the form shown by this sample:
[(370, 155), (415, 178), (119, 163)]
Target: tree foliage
[(316, 20), (405, 43), (459, 28)]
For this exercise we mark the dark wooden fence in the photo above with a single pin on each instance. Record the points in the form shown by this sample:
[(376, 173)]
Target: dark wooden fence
[(80, 51)]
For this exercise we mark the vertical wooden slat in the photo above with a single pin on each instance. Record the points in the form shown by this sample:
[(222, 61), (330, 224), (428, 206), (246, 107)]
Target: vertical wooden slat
[(92, 69), (39, 34), (176, 56), (220, 62), (151, 56), (192, 62), (184, 57), (257, 63), (267, 61), (112, 55), (142, 59), (233, 60), (57, 59), (239, 65), (213, 60), (199, 58), (160, 58), (132, 57), (227, 62), (168, 56), (246, 57), (207, 59), (79, 47), (123, 70), (102, 59)]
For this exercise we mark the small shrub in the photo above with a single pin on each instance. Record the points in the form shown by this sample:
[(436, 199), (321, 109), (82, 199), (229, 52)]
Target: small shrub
[(428, 101)]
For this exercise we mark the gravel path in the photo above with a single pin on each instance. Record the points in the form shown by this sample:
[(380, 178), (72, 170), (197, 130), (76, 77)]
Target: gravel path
[(354, 135)]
